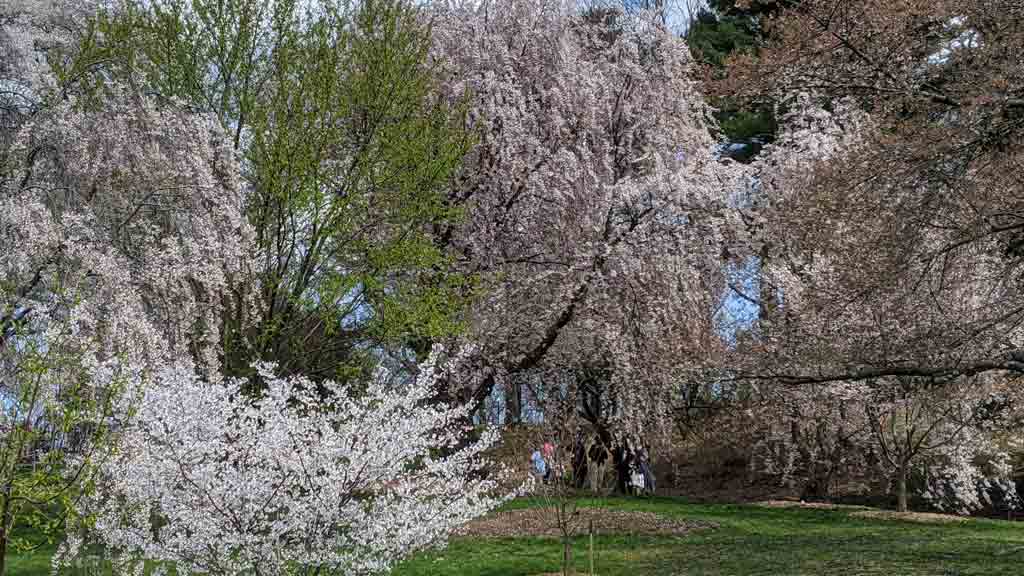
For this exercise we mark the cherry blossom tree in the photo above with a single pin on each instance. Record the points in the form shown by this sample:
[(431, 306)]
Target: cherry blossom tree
[(922, 252), (591, 199), (948, 434), (123, 236), (884, 222), (826, 314)]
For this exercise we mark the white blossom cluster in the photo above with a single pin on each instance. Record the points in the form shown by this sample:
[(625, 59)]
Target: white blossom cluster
[(307, 477), (119, 243)]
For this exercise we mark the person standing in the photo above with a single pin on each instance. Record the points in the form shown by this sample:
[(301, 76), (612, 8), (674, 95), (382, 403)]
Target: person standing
[(540, 467)]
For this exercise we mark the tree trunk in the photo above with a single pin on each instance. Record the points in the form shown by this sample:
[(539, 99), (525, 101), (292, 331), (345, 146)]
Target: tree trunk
[(5, 526), (621, 470), (768, 298), (513, 404), (901, 489), (567, 556), (3, 549)]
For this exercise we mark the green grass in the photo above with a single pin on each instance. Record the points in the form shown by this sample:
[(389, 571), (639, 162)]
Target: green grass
[(749, 541), (753, 541), (29, 564)]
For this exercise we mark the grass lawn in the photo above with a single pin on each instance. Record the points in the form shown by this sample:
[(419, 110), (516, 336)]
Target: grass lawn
[(750, 540)]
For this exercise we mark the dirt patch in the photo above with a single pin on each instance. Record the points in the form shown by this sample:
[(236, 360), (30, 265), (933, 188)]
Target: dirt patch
[(868, 512), (540, 523), (812, 505), (923, 517)]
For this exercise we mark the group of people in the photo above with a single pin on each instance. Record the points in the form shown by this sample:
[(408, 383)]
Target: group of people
[(632, 465), (641, 479), (542, 461)]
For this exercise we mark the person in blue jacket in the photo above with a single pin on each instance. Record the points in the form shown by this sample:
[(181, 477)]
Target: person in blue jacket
[(540, 466)]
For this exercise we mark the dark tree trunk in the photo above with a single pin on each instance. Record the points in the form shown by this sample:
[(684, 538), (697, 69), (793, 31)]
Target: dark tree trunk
[(5, 527), (513, 404), (901, 488), (567, 567)]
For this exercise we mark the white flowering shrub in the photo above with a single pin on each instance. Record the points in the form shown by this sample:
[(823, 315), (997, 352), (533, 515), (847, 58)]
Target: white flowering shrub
[(306, 479)]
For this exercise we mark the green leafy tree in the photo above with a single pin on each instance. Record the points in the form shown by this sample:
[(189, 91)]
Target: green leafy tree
[(713, 36), (723, 29), (347, 157)]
